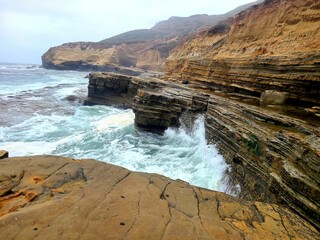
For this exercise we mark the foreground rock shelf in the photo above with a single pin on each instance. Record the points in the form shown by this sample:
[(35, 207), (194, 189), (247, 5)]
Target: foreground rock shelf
[(50, 197)]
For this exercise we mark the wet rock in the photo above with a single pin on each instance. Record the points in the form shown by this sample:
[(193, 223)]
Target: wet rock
[(185, 82), (3, 154), (157, 109), (92, 200), (274, 157), (108, 89)]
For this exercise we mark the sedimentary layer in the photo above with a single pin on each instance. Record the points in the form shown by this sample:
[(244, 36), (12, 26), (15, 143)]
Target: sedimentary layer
[(270, 46), (88, 56), (50, 197), (157, 104), (274, 156)]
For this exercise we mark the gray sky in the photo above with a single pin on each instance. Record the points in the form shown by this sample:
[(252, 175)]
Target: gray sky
[(29, 28)]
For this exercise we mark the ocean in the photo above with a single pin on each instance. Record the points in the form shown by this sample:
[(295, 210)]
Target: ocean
[(42, 113)]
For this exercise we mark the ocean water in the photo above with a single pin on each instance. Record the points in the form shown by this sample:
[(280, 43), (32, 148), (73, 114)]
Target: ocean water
[(41, 113)]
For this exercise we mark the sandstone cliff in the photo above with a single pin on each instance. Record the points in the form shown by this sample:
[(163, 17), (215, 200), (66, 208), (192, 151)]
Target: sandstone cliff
[(143, 49), (49, 197), (271, 46)]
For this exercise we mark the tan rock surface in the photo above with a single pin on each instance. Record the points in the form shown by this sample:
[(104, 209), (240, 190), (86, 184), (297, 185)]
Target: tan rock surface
[(97, 57), (271, 46), (50, 197)]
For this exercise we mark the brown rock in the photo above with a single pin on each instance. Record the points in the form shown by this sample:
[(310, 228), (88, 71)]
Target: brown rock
[(4, 154), (108, 89), (273, 98), (263, 50), (276, 158), (103, 201)]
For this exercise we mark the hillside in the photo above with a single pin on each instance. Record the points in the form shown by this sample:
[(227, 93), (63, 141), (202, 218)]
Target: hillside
[(145, 49)]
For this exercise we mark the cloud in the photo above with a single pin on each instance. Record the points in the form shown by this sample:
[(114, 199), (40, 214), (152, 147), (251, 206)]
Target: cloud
[(29, 27)]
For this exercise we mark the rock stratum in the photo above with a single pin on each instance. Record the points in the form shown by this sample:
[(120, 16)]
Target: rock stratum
[(50, 197), (271, 46), (133, 51)]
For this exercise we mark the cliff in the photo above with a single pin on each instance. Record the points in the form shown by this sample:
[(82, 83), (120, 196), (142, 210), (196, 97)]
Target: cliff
[(271, 46), (50, 197), (145, 49)]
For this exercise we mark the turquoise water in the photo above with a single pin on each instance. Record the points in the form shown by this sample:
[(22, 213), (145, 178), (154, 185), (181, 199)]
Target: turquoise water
[(37, 118)]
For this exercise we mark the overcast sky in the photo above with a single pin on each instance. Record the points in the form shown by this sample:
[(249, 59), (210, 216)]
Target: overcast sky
[(29, 28)]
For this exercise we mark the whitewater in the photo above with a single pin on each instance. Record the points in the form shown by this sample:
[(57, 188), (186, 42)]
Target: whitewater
[(42, 113)]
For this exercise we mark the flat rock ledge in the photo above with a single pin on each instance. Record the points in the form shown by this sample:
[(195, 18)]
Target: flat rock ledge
[(50, 197)]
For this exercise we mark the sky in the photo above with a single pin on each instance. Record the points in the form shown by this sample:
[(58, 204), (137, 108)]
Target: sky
[(28, 28)]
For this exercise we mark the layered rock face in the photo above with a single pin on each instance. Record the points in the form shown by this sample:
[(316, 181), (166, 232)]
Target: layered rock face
[(271, 46), (88, 56), (157, 104), (49, 197), (274, 157)]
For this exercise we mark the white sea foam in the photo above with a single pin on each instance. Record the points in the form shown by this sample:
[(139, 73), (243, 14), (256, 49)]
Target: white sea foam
[(67, 91), (35, 98), (114, 122), (105, 133), (27, 148)]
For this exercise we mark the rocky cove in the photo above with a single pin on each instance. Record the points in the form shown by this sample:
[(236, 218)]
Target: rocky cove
[(274, 156), (56, 197), (256, 80)]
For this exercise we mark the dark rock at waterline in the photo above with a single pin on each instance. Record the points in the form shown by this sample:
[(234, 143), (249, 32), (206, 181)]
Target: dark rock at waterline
[(92, 200), (3, 154), (185, 82)]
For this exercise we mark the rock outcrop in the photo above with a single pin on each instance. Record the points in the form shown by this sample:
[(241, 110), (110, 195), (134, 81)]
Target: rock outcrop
[(273, 152), (50, 197), (129, 52), (274, 156), (157, 104), (270, 46), (3, 154), (86, 56)]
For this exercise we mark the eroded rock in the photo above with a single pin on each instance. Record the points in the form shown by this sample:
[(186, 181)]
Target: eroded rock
[(3, 154), (70, 199), (270, 97)]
